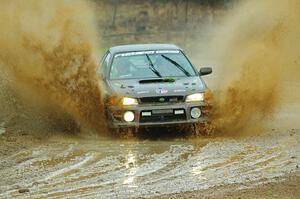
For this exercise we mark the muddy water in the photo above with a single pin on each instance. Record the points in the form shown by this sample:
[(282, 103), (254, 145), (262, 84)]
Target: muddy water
[(105, 168), (48, 55), (72, 167)]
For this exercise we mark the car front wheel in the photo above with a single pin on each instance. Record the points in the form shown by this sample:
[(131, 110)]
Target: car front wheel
[(198, 129), (125, 132)]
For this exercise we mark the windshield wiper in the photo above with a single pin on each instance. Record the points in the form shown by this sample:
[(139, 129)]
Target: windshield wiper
[(151, 66), (177, 65)]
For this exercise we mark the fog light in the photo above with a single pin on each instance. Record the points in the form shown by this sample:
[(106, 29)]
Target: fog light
[(128, 116), (146, 113), (195, 113), (179, 112)]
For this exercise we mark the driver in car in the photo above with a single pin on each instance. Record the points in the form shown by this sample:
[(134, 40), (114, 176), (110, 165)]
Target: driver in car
[(122, 68)]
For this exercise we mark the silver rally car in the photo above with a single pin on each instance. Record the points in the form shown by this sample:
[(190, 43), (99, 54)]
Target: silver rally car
[(152, 85)]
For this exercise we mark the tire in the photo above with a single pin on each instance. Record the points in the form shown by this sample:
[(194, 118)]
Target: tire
[(128, 132), (193, 130), (200, 129)]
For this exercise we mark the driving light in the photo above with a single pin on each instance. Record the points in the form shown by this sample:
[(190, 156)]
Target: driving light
[(129, 101), (146, 113), (195, 113), (179, 112), (196, 97), (128, 116)]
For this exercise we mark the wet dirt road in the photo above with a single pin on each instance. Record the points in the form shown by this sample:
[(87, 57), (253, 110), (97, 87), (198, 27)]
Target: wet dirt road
[(72, 167)]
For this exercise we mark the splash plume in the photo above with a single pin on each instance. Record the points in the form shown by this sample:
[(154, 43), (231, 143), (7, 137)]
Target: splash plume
[(48, 50), (258, 41)]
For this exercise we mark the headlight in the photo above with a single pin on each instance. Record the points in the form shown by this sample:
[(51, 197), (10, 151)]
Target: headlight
[(128, 116), (129, 101), (196, 97)]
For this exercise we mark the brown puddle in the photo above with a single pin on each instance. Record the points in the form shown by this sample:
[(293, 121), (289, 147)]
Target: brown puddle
[(113, 169)]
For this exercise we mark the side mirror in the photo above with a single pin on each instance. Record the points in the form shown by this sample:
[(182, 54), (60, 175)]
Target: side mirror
[(205, 71)]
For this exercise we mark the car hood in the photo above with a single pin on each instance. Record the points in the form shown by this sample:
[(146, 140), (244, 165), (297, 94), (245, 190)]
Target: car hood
[(134, 88)]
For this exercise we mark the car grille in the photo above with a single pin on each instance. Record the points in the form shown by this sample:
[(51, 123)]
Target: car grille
[(162, 99), (162, 117)]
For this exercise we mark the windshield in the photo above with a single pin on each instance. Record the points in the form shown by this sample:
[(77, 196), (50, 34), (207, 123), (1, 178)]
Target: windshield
[(150, 64)]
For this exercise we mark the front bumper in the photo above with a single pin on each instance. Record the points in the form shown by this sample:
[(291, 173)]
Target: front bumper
[(161, 114)]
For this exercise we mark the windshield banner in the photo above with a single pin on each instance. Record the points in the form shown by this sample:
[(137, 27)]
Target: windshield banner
[(147, 52)]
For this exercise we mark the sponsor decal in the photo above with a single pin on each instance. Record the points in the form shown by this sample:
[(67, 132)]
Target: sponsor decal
[(146, 52), (167, 51), (179, 90), (134, 53), (161, 91), (142, 92), (162, 99)]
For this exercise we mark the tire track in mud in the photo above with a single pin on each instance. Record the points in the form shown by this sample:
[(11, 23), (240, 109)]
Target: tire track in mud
[(125, 173), (122, 169)]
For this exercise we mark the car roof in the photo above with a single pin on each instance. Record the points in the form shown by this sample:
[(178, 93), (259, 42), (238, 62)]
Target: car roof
[(142, 47)]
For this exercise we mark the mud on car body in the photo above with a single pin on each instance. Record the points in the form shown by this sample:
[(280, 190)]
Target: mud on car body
[(152, 85)]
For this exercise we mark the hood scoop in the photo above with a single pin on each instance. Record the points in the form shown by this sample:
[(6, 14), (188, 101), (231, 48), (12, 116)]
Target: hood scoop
[(160, 80)]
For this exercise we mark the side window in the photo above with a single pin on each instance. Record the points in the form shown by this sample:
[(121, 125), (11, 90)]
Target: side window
[(102, 69)]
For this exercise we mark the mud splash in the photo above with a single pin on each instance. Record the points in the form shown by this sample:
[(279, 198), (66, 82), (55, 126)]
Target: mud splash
[(256, 50), (48, 52)]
